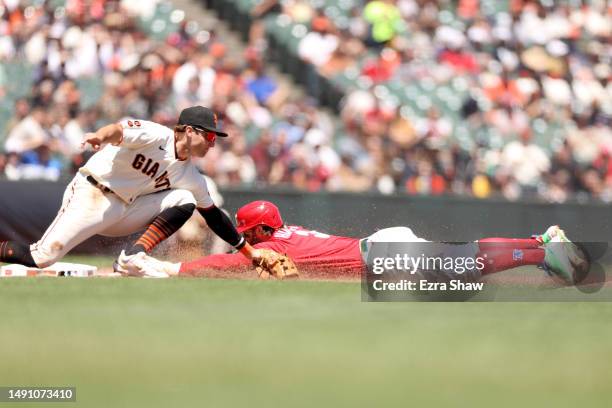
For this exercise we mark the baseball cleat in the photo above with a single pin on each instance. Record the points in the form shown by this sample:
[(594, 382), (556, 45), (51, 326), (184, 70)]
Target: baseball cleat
[(561, 256), (550, 233), (161, 267), (139, 265)]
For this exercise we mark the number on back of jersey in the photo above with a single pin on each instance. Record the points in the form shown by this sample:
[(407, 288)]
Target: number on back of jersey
[(286, 232)]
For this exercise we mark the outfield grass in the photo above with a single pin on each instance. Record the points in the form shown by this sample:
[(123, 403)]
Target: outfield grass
[(220, 343)]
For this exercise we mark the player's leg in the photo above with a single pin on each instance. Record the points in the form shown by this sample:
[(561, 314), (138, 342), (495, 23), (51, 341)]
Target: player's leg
[(380, 238), (160, 215), (533, 242), (14, 252), (163, 226), (83, 214), (551, 251), (512, 243), (498, 260), (501, 254), (390, 242)]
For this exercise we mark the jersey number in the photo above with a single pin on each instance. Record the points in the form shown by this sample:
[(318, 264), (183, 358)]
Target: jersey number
[(306, 233)]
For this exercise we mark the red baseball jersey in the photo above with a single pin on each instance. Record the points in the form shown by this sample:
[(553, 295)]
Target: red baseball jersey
[(308, 249)]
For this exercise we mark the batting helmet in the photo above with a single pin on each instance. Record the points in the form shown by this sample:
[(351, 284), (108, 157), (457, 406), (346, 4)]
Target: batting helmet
[(258, 213)]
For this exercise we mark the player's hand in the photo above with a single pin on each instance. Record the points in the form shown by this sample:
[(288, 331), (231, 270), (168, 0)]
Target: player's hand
[(93, 140), (256, 254), (250, 252)]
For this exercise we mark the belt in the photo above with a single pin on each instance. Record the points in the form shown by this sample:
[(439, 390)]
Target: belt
[(99, 186)]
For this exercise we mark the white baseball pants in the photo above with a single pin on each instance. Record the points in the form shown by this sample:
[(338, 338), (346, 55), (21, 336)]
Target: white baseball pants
[(87, 211)]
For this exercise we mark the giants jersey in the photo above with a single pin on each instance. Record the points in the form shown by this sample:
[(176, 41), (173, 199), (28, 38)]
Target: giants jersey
[(145, 162), (308, 249)]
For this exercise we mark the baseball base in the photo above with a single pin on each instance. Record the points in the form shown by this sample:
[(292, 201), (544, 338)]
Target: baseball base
[(55, 270)]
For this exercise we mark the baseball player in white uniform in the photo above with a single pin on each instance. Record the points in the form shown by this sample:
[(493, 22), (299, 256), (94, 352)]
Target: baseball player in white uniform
[(141, 177)]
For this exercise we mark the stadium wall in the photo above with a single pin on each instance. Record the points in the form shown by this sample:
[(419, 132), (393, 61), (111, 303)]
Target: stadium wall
[(27, 208)]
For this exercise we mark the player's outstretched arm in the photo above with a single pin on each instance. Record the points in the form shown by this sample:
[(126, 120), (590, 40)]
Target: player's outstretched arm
[(112, 133), (221, 225)]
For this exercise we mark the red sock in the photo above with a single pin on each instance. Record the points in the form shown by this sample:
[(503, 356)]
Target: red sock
[(502, 243), (498, 260)]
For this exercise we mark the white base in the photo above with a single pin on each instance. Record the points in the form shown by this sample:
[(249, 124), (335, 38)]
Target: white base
[(57, 269)]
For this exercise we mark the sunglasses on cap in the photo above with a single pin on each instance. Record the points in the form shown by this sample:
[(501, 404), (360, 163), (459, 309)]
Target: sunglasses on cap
[(209, 136)]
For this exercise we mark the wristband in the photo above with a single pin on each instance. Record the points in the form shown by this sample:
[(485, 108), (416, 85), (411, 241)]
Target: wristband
[(240, 243)]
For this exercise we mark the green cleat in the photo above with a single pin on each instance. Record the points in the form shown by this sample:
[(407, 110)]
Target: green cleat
[(561, 258), (550, 233)]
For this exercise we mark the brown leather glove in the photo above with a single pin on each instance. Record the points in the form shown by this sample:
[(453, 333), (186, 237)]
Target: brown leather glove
[(273, 264)]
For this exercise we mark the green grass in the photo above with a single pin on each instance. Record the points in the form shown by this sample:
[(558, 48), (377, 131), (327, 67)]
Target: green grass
[(219, 343)]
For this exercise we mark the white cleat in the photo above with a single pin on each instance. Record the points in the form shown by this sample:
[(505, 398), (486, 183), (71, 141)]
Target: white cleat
[(161, 267), (139, 265)]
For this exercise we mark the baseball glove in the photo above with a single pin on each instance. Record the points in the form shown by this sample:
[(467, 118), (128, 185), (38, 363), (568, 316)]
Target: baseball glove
[(273, 264)]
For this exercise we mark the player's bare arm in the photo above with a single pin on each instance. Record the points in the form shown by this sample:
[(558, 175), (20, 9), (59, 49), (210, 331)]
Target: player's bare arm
[(112, 134)]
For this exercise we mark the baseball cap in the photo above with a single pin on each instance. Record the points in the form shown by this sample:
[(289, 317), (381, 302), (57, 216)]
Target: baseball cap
[(201, 117)]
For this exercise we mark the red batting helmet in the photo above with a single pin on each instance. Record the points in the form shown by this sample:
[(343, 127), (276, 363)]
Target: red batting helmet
[(258, 213)]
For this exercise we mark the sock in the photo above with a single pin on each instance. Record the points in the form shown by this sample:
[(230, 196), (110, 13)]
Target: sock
[(514, 243), (164, 225), (507, 258), (12, 252)]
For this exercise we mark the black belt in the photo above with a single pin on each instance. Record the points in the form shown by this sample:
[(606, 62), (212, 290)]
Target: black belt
[(99, 186)]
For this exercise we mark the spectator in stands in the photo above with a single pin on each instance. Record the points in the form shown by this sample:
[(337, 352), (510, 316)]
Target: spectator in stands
[(426, 181), (536, 69), (266, 151), (319, 44), (40, 164), (382, 68), (191, 95), (235, 166), (526, 161), (21, 111), (29, 133), (348, 50), (11, 168), (76, 128), (261, 85), (385, 21), (346, 178), (201, 67)]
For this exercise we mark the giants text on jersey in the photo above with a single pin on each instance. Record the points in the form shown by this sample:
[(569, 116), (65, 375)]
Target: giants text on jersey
[(145, 162)]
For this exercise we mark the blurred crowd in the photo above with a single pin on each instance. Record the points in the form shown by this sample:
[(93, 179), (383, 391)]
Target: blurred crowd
[(535, 65), (534, 78), (100, 42)]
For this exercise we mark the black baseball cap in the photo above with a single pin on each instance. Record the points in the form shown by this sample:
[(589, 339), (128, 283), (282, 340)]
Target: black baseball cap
[(202, 118)]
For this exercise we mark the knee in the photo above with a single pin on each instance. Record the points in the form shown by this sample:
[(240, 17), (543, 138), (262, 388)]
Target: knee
[(183, 197), (186, 209)]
